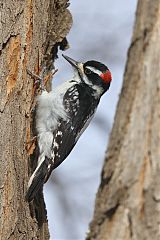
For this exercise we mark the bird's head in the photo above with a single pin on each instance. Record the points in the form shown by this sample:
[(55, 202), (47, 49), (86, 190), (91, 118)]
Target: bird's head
[(93, 73)]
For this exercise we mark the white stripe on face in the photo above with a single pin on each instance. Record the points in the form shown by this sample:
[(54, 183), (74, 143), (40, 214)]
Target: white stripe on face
[(94, 70)]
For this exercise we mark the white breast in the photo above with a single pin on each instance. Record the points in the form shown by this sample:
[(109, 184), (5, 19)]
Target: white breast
[(50, 109)]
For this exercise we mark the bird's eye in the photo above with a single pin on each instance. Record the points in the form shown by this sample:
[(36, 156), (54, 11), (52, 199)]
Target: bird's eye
[(87, 71)]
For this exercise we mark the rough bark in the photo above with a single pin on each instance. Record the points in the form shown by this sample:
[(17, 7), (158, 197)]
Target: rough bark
[(30, 33), (128, 200)]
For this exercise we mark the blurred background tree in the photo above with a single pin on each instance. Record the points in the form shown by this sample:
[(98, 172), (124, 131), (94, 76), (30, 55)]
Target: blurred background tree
[(128, 199)]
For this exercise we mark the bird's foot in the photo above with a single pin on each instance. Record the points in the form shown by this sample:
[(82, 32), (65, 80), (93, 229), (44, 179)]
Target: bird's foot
[(38, 80)]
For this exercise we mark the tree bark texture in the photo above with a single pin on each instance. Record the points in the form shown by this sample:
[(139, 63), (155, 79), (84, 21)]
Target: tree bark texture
[(30, 33), (128, 200)]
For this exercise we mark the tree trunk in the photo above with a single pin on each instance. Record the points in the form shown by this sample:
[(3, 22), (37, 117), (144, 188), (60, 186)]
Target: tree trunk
[(128, 200), (31, 31)]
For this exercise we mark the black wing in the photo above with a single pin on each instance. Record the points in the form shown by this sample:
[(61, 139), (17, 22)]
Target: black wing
[(80, 106)]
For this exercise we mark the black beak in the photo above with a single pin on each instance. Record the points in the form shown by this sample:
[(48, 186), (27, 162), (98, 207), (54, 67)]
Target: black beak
[(71, 61)]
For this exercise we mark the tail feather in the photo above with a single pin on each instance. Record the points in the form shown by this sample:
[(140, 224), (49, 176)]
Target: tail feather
[(37, 179)]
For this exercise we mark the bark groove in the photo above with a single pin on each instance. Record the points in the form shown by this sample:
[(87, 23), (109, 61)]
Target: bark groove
[(30, 33)]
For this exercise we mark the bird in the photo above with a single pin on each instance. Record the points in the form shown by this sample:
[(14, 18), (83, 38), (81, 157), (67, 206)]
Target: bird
[(63, 114)]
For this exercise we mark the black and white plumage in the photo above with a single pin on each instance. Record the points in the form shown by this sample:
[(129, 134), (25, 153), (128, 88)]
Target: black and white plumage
[(63, 114)]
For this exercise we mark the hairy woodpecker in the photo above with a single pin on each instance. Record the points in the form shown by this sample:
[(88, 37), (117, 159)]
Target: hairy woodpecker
[(63, 114)]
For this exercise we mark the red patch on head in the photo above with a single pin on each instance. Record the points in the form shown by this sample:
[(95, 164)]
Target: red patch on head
[(106, 76)]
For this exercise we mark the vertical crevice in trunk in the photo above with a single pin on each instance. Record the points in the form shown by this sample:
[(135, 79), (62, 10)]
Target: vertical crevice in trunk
[(30, 30)]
